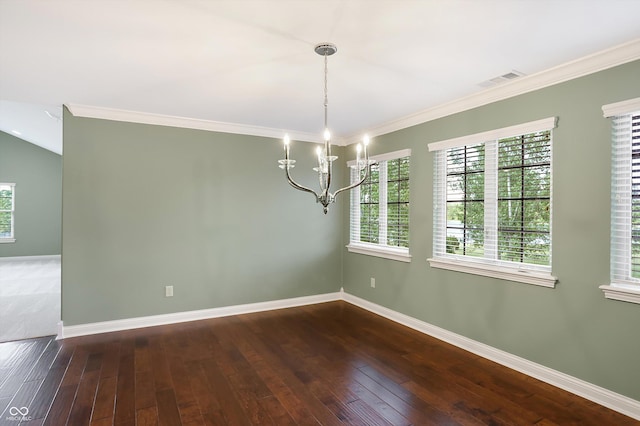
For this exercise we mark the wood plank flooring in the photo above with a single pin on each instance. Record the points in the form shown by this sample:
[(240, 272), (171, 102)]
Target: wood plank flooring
[(326, 364)]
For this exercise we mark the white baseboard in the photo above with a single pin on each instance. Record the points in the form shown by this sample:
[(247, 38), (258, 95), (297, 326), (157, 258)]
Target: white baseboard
[(150, 321), (28, 258), (602, 396)]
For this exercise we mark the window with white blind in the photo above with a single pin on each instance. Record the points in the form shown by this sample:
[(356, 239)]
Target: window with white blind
[(7, 212), (492, 203), (625, 201), (380, 208)]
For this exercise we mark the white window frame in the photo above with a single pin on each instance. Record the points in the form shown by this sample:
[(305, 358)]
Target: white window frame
[(11, 238), (525, 273), (622, 287), (372, 249)]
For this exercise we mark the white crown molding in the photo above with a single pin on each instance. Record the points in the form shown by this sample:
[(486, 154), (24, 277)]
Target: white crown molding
[(598, 61), (87, 111), (177, 317), (608, 58), (602, 396)]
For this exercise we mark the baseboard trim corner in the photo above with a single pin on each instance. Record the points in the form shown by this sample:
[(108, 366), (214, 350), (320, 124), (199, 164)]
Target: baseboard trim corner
[(60, 330), (602, 396)]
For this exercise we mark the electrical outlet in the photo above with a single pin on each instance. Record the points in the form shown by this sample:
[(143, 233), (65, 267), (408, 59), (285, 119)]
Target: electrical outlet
[(373, 282), (168, 291)]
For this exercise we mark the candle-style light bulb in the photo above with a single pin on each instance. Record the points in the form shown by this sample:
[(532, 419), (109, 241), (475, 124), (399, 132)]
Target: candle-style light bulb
[(358, 149), (327, 135), (365, 142), (286, 146)]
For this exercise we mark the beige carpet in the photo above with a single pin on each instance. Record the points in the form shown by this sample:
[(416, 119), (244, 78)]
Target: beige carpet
[(29, 297)]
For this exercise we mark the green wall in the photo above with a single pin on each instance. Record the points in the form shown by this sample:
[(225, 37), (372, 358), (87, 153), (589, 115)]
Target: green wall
[(209, 213), (572, 328), (37, 174)]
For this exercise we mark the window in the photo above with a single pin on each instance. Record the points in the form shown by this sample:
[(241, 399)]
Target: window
[(492, 203), (380, 208), (625, 201), (7, 212)]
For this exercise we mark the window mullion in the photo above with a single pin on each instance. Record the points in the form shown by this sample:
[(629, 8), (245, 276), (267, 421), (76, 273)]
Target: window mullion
[(382, 200), (491, 200)]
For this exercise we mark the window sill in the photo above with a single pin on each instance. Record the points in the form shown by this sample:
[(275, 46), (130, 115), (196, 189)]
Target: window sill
[(7, 240), (618, 292), (401, 255), (539, 278)]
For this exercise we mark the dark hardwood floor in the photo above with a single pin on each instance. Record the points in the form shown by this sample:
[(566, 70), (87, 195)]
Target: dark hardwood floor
[(325, 364)]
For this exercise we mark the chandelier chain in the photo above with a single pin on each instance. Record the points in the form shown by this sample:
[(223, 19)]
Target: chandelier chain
[(326, 97)]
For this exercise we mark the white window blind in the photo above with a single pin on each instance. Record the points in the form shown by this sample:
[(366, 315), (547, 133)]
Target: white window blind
[(7, 212), (492, 200), (379, 220), (625, 199)]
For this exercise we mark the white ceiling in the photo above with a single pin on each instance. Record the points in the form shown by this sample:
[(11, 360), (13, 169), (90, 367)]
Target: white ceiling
[(252, 62)]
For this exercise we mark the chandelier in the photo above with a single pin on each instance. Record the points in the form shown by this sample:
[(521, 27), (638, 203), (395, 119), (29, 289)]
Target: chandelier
[(325, 159)]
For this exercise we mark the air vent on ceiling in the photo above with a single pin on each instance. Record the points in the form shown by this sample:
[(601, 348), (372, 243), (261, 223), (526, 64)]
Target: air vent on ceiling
[(502, 78)]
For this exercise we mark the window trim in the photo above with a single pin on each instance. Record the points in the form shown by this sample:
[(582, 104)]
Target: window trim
[(617, 290), (12, 238), (505, 132), (528, 274), (387, 252), (371, 249)]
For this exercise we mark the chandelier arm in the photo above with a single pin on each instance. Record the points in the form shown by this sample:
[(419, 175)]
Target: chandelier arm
[(298, 186), (353, 185)]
